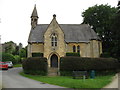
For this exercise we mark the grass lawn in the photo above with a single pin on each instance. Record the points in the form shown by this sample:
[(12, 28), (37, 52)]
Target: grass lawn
[(17, 65), (65, 81)]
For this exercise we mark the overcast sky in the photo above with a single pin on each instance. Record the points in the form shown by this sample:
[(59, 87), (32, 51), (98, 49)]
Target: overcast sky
[(15, 15)]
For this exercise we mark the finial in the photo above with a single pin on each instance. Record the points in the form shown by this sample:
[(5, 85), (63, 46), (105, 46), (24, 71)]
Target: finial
[(35, 5), (54, 15)]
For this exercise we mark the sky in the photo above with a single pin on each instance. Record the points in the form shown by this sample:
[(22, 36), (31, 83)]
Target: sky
[(15, 21)]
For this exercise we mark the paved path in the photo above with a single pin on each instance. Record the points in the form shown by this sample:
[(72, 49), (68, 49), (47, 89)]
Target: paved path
[(115, 83), (11, 79)]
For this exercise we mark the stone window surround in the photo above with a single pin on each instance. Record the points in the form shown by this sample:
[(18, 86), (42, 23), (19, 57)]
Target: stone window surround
[(54, 40)]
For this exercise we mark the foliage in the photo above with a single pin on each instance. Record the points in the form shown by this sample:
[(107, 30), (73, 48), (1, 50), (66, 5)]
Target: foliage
[(69, 64), (105, 55), (65, 81), (100, 18), (22, 53), (17, 65), (17, 58), (115, 28), (35, 65), (37, 54), (9, 47), (72, 54), (16, 52), (8, 57)]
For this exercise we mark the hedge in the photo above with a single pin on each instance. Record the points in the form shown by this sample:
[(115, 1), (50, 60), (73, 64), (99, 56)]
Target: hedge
[(37, 54), (69, 64), (35, 66), (72, 54)]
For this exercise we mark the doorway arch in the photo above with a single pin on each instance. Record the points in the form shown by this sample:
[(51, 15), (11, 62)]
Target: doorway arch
[(54, 61)]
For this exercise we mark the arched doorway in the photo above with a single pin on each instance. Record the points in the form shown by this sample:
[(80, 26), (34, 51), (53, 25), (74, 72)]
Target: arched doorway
[(54, 61)]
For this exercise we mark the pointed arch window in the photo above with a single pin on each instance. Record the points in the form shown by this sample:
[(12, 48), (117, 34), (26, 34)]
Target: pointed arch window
[(74, 48), (78, 48), (54, 40)]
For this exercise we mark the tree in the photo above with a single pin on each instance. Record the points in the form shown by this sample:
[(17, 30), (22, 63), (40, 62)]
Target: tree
[(8, 57), (22, 53), (9, 47), (116, 34), (100, 18)]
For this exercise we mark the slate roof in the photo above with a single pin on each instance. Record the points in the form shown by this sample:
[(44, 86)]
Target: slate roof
[(73, 33)]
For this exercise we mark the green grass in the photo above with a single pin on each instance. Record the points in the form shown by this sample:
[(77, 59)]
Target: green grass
[(65, 81), (17, 65)]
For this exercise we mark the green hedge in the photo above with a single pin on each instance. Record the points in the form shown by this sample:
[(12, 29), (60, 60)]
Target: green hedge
[(105, 55), (69, 64), (37, 54), (72, 54), (35, 66)]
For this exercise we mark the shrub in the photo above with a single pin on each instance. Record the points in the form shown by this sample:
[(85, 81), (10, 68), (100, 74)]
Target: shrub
[(37, 54), (17, 58), (105, 55), (35, 66), (22, 53), (69, 64), (8, 57), (72, 54)]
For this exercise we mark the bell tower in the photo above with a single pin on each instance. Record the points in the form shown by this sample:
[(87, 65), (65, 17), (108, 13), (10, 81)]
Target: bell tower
[(34, 18)]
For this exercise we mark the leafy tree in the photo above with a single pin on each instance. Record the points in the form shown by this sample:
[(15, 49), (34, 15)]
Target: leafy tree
[(17, 58), (100, 19), (116, 34), (22, 53), (16, 52), (8, 57), (9, 47)]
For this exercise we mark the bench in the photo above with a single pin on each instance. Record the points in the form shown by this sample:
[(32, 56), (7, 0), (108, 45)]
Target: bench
[(80, 75)]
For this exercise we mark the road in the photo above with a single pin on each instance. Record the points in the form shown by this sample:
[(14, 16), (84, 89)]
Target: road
[(12, 79)]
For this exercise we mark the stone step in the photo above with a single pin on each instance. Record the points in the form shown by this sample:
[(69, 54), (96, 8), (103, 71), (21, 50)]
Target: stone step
[(52, 71)]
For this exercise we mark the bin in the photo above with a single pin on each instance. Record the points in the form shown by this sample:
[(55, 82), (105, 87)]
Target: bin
[(92, 74)]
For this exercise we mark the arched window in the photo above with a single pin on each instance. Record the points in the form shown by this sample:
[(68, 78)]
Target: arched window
[(74, 48), (78, 48), (54, 40)]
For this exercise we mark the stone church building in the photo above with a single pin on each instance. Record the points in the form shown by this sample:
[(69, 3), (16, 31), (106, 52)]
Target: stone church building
[(54, 40)]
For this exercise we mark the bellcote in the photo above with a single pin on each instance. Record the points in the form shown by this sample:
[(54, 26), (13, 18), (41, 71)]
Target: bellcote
[(34, 18)]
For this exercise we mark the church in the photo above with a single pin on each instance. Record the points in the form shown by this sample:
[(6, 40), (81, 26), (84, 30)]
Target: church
[(54, 40)]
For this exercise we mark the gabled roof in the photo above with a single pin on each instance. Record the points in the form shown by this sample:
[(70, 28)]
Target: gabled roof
[(73, 33)]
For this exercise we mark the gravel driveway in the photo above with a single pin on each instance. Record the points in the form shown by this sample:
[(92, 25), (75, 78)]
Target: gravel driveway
[(11, 79)]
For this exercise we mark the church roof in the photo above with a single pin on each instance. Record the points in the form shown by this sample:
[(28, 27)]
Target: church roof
[(73, 33), (34, 13)]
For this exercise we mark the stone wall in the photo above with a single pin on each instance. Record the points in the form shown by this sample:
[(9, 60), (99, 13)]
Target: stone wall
[(49, 50), (35, 48)]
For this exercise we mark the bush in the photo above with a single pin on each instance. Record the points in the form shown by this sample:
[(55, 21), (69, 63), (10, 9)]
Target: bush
[(69, 64), (105, 55), (37, 54), (35, 66), (22, 53), (8, 57), (72, 54), (23, 59), (17, 58)]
